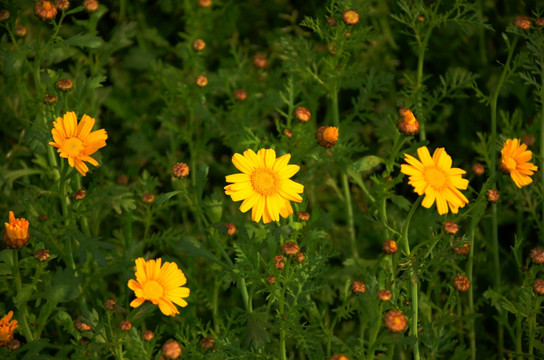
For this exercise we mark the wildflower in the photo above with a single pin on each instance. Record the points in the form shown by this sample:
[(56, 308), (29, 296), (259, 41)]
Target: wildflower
[(62, 5), (384, 295), (180, 170), (231, 229), (148, 198), (148, 335), (264, 184), (288, 133), (110, 304), (493, 196), (538, 287), (331, 21), (76, 142), (125, 325), (395, 321), (515, 160), (260, 61), (240, 94), (278, 262), (290, 249), (303, 216), (20, 30), (50, 99), (358, 287), (14, 345), (81, 326), (65, 85), (451, 228), (461, 283), (4, 15), (300, 257), (45, 10), (390, 247), (79, 194), (162, 285), (171, 349), (91, 5), (199, 45), (7, 328), (350, 17), (270, 279), (208, 343), (303, 114), (435, 178), (16, 235), (327, 136), (523, 22), (478, 169), (42, 255), (407, 124), (537, 256), (205, 3), (338, 357), (201, 81)]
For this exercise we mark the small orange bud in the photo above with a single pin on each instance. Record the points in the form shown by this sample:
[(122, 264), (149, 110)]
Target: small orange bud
[(327, 136), (290, 249), (288, 133), (358, 287), (110, 304), (79, 194), (148, 335), (451, 228), (180, 170), (395, 321), (300, 257), (331, 21), (4, 15), (492, 196), (350, 17), (231, 229), (199, 45), (270, 279), (384, 295), (208, 343), (122, 179), (303, 114), (240, 94), (205, 3), (65, 85), (125, 325), (148, 198), (523, 22), (421, 18), (338, 357), (390, 247), (45, 10), (171, 349), (528, 139), (62, 5), (14, 345), (461, 283), (20, 30), (201, 81), (50, 99), (539, 22), (537, 256), (91, 5), (42, 255), (462, 249), (278, 262), (303, 216), (407, 124), (538, 287), (16, 234), (478, 169), (260, 61), (81, 326)]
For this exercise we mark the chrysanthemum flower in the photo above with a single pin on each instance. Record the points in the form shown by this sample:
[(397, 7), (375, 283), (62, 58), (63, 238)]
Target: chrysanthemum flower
[(162, 285), (76, 142), (264, 185), (7, 328), (435, 178), (16, 234), (515, 160)]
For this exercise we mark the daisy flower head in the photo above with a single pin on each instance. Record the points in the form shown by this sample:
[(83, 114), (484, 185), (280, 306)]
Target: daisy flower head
[(264, 184), (76, 142), (515, 160), (434, 177), (7, 328), (162, 285)]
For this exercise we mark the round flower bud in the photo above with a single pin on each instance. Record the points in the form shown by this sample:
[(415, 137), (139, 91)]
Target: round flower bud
[(125, 325), (205, 3), (290, 249), (240, 94), (523, 22), (478, 169), (148, 198), (537, 256), (463, 250), (208, 343), (539, 22), (384, 295), (270, 279), (338, 357), (180, 170), (199, 45), (390, 247), (50, 99), (303, 114), (260, 61), (122, 179), (528, 139), (20, 30), (395, 321), (451, 228), (79, 194), (91, 5), (110, 304), (331, 21), (278, 262), (407, 124), (201, 81), (45, 10), (42, 255), (65, 85), (14, 345), (81, 326), (538, 287), (288, 133), (421, 18), (303, 216), (62, 5), (358, 287), (171, 349), (231, 229), (300, 257), (350, 17), (327, 136), (4, 15), (148, 335), (461, 283), (492, 196)]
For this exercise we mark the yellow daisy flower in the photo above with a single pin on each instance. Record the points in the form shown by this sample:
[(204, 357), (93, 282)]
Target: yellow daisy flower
[(76, 142), (264, 184), (435, 178), (515, 160), (162, 285), (7, 328)]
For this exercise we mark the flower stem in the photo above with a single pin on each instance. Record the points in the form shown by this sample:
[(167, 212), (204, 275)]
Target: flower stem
[(21, 305), (470, 264), (84, 221)]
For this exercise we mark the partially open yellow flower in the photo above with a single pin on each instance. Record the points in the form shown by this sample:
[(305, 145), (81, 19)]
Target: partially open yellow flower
[(435, 178), (264, 184), (76, 142), (7, 328), (515, 161), (162, 285), (16, 235)]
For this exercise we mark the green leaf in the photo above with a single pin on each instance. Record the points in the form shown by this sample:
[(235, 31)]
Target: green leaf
[(367, 163), (90, 41), (201, 176), (65, 287), (192, 247), (162, 198)]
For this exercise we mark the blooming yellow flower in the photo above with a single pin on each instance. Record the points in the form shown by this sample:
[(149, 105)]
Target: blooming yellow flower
[(76, 142), (162, 285), (435, 178), (515, 160), (7, 328), (264, 185), (16, 235)]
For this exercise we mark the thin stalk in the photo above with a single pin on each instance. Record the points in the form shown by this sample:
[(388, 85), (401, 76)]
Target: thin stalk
[(21, 306), (413, 278), (519, 334), (84, 221), (542, 139), (422, 46), (470, 266)]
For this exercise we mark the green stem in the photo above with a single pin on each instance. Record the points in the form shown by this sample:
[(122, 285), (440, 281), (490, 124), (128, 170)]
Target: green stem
[(21, 305), (470, 266), (413, 277), (519, 334), (84, 221), (422, 46), (542, 139)]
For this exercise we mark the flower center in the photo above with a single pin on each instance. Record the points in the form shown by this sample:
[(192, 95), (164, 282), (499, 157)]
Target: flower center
[(47, 5), (264, 181), (73, 146), (509, 163), (330, 134), (153, 290), (435, 177)]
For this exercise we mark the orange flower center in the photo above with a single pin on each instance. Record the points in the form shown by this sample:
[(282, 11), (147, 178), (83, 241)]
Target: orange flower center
[(435, 177), (330, 134), (153, 290), (264, 181), (73, 146), (509, 163), (47, 5)]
